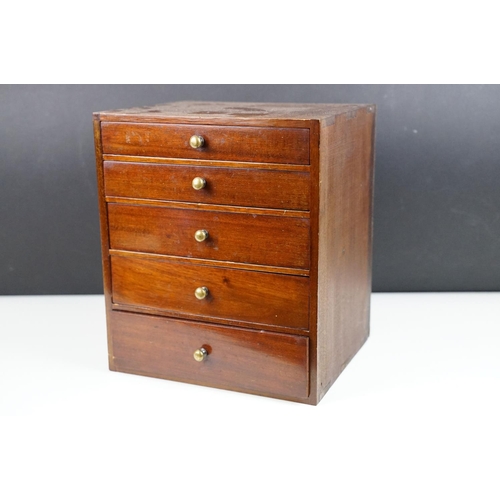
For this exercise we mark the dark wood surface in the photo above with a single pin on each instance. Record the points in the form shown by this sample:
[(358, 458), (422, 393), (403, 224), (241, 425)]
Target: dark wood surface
[(282, 114), (202, 162), (344, 217), (245, 296), (261, 144), (208, 206), (314, 299), (243, 360), (238, 237), (104, 233), (251, 187), (228, 264), (322, 295)]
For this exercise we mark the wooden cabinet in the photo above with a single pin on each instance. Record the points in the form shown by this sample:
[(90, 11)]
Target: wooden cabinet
[(236, 242)]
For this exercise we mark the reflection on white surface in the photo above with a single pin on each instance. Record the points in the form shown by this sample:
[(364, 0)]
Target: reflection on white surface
[(415, 414)]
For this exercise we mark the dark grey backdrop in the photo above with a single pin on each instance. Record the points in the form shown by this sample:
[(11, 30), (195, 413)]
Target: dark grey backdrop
[(437, 182)]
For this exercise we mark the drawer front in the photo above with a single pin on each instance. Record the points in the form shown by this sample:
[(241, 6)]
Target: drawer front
[(252, 144), (238, 359), (224, 186), (236, 237), (244, 296)]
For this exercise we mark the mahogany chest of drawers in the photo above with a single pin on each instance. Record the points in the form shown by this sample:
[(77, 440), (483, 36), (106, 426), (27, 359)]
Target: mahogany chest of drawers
[(236, 242)]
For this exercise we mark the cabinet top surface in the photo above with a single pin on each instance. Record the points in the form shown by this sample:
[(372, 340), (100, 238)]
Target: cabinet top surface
[(231, 111)]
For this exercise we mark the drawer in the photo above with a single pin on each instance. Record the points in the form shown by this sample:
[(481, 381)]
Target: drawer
[(248, 144), (223, 186), (244, 296), (238, 359), (237, 237)]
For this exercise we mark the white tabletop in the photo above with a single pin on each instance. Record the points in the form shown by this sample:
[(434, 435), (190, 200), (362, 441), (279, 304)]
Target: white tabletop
[(415, 415)]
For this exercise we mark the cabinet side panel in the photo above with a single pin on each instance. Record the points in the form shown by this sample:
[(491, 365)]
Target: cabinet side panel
[(103, 217), (345, 241)]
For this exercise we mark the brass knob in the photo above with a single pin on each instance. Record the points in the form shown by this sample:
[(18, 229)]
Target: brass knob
[(201, 235), (200, 354), (199, 183), (201, 292), (196, 141)]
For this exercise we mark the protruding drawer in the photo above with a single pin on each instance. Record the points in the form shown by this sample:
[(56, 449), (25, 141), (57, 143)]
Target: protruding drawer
[(211, 293), (246, 187), (246, 144), (234, 358), (203, 234)]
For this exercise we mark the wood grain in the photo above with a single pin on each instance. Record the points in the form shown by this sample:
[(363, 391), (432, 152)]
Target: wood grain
[(198, 162), (214, 263), (289, 114), (104, 235), (315, 141), (238, 359), (225, 186), (344, 217), (209, 206), (260, 144), (231, 236), (296, 311), (259, 298)]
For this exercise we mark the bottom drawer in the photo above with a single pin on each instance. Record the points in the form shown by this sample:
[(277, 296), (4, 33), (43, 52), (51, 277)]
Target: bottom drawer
[(238, 359)]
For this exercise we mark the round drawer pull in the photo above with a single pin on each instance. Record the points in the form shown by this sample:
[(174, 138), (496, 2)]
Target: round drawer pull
[(196, 141), (201, 235), (200, 354), (199, 183), (201, 292)]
